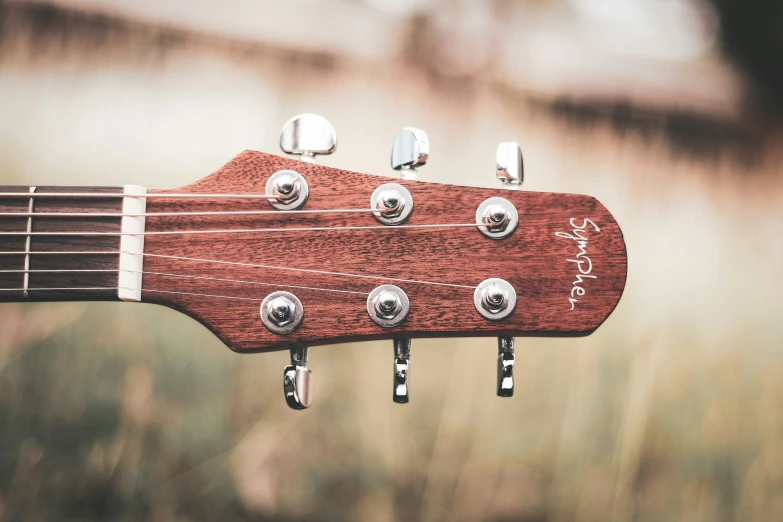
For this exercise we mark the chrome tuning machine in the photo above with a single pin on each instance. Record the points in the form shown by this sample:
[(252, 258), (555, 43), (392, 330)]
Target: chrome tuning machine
[(306, 135), (296, 380), (509, 169), (508, 165), (282, 313), (410, 151)]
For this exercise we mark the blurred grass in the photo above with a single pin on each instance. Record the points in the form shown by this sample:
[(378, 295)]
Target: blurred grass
[(671, 410)]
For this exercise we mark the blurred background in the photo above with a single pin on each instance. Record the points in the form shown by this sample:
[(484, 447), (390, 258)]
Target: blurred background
[(668, 111)]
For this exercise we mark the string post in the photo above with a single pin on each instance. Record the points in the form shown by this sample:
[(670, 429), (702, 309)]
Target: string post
[(497, 218), (289, 190), (282, 312), (392, 204), (388, 305)]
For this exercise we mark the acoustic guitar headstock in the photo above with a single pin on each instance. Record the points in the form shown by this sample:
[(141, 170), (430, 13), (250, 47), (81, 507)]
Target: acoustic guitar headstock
[(287, 254)]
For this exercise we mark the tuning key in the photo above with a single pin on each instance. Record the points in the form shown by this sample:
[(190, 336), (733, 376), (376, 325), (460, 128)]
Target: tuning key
[(296, 380), (509, 169), (308, 135), (506, 360), (508, 165), (411, 150), (282, 313), (402, 356)]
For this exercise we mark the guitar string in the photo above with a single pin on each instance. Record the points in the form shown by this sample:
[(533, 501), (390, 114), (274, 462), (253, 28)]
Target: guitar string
[(72, 234), (185, 276), (254, 265), (176, 214), (121, 195), (114, 288), (242, 231)]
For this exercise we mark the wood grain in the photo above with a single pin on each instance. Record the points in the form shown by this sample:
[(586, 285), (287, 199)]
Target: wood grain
[(533, 259)]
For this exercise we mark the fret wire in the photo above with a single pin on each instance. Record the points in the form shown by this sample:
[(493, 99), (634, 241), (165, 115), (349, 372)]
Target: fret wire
[(28, 242)]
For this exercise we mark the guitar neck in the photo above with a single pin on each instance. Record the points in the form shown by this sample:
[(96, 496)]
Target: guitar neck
[(47, 257)]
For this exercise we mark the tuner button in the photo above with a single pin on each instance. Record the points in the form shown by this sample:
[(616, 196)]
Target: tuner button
[(296, 380), (508, 165), (402, 358), (506, 359), (308, 135), (411, 149)]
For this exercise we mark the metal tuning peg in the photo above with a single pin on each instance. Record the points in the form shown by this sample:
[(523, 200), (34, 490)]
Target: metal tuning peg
[(308, 135), (510, 171), (411, 150), (282, 313), (296, 380), (506, 360), (402, 355), (508, 165)]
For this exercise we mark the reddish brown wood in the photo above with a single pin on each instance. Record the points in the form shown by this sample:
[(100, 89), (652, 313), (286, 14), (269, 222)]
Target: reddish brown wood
[(533, 259)]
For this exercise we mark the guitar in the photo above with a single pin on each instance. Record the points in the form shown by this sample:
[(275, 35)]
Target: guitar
[(272, 253)]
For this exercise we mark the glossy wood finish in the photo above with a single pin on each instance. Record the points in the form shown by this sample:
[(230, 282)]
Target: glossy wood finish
[(70, 282), (534, 259)]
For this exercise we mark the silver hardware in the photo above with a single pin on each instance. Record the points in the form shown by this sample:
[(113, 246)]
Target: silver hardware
[(508, 165), (296, 380), (290, 188), (497, 218), (308, 135), (411, 149), (402, 360), (281, 312), (394, 203), (510, 171), (388, 305), (495, 299), (506, 360)]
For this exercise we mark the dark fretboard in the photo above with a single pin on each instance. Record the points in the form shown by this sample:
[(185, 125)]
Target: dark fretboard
[(73, 267)]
